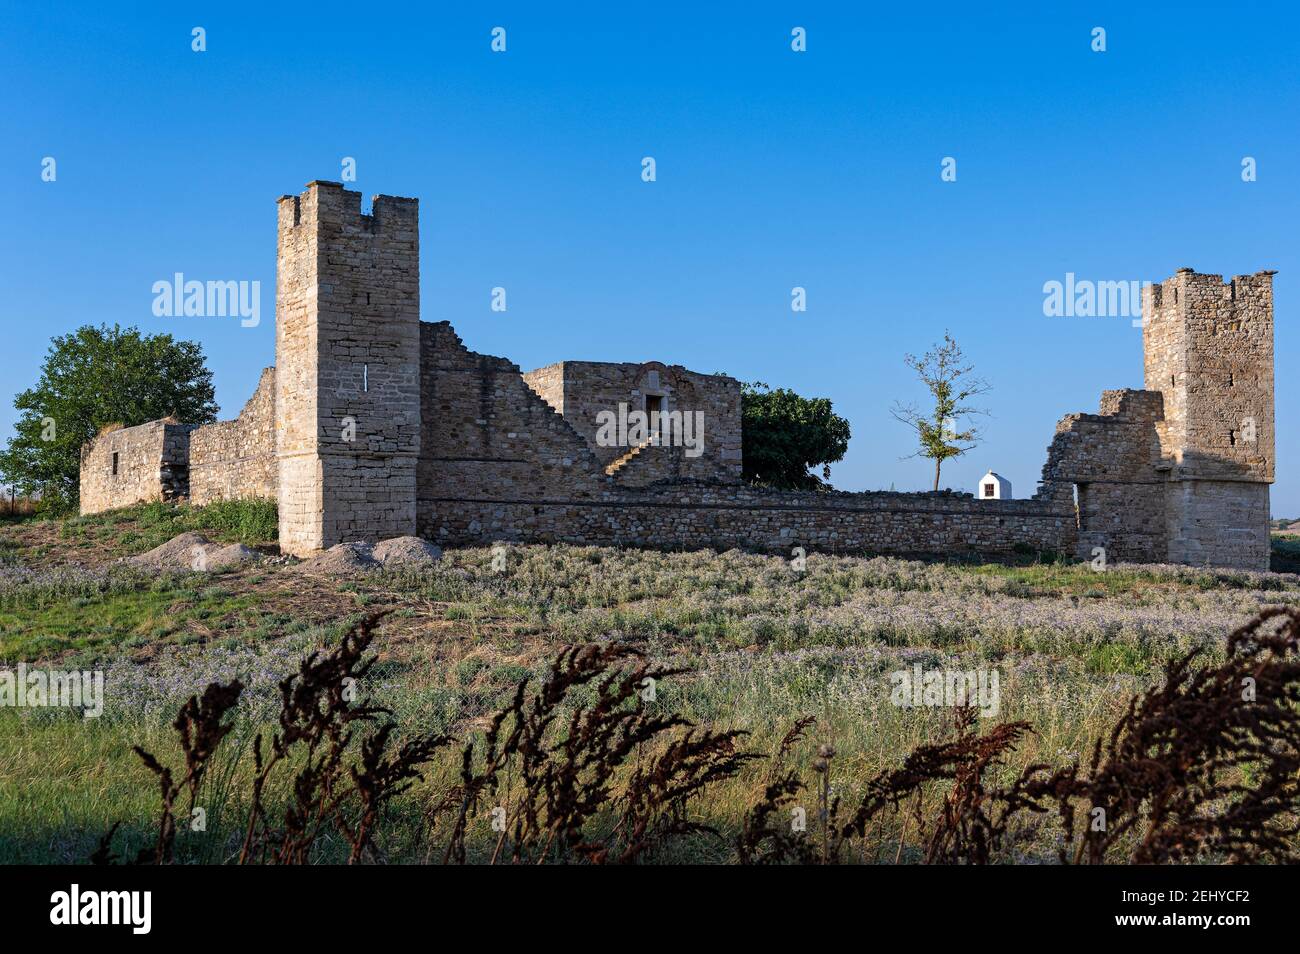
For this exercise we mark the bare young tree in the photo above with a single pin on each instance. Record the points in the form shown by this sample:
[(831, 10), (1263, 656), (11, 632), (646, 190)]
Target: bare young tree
[(945, 373)]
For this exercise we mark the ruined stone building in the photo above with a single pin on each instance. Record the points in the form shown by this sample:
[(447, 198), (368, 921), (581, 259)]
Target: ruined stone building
[(1179, 472), (375, 424)]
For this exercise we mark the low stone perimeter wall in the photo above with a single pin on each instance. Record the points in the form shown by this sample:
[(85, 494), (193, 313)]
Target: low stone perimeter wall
[(693, 515)]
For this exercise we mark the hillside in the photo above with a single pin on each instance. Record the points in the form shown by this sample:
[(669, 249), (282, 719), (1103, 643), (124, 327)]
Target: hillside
[(763, 643)]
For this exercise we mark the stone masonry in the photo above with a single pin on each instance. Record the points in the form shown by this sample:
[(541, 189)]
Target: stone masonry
[(1179, 472), (234, 460), (499, 462), (581, 390), (348, 367), (130, 465), (374, 424)]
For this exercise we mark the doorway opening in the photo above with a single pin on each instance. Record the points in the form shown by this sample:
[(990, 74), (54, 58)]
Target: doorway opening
[(654, 408)]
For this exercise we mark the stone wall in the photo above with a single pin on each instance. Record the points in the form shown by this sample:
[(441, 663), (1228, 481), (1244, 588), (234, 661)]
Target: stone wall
[(582, 390), (1110, 460), (233, 460), (548, 382), (381, 425), (348, 374), (694, 515), (132, 465), (1208, 348), (1218, 523), (489, 435), (499, 463)]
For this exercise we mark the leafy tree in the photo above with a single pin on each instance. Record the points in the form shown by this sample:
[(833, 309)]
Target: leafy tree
[(944, 372), (784, 434), (92, 378)]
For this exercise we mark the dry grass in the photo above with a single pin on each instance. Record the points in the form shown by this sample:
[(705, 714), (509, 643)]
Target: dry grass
[(577, 769), (763, 646)]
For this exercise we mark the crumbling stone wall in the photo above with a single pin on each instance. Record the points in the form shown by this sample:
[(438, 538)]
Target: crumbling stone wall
[(1124, 482), (582, 390), (1107, 463), (488, 435), (233, 460), (348, 367), (499, 463), (132, 465), (385, 426), (548, 382)]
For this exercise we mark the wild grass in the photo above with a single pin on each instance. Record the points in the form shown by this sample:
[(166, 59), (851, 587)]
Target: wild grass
[(145, 526), (1127, 619), (765, 645), (582, 765), (46, 613)]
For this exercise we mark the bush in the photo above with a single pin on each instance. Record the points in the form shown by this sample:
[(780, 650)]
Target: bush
[(1286, 555), (250, 521)]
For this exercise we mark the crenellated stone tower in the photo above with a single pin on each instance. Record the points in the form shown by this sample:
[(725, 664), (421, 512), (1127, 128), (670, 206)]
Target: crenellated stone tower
[(1208, 349), (1179, 472), (347, 344)]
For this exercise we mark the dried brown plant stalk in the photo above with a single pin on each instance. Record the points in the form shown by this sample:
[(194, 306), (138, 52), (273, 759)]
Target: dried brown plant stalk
[(1204, 766)]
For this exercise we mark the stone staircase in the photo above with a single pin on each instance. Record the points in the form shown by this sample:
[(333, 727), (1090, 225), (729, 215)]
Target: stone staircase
[(613, 468)]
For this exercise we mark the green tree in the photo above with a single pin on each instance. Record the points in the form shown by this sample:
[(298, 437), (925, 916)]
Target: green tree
[(784, 434), (92, 378), (951, 383)]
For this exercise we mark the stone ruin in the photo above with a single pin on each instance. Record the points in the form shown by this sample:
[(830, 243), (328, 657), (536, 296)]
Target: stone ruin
[(374, 424)]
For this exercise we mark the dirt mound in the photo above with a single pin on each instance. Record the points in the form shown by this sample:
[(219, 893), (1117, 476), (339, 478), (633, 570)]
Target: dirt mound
[(406, 551), (344, 558), (339, 559), (195, 552), (221, 558), (189, 551)]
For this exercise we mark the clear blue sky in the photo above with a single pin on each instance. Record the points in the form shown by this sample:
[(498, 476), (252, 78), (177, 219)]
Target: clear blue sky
[(775, 169)]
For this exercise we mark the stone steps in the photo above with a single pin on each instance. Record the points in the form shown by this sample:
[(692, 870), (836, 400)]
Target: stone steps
[(627, 458)]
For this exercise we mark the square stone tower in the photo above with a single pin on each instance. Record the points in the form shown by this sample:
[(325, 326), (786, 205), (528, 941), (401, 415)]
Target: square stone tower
[(1208, 350), (347, 345)]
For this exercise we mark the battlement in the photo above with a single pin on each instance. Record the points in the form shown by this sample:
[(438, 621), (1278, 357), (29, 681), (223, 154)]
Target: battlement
[(1208, 348), (1188, 284), (329, 202)]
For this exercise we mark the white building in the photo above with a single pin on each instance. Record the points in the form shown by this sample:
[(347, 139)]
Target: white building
[(993, 487)]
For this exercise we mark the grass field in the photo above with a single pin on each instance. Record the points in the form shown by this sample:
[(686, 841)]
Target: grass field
[(763, 644)]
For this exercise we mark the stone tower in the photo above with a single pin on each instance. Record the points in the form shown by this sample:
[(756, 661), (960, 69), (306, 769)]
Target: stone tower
[(347, 345), (1208, 349)]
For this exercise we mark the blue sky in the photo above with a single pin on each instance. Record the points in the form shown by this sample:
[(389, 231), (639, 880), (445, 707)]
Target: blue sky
[(775, 169)]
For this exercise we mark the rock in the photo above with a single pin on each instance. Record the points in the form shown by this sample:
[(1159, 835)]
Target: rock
[(188, 551)]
